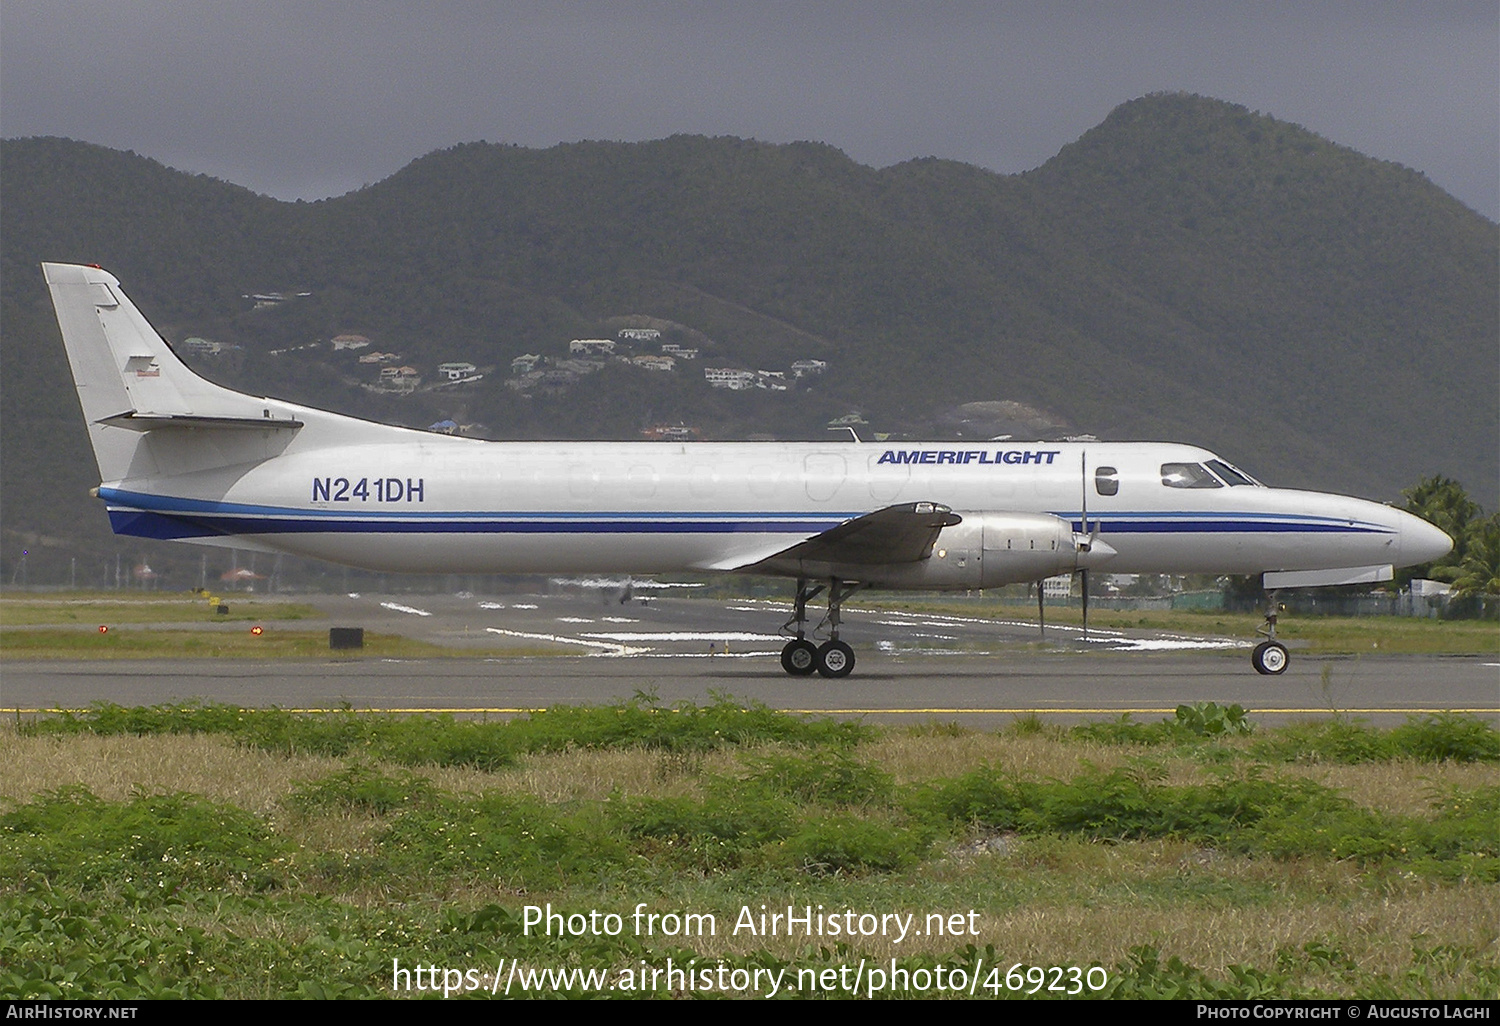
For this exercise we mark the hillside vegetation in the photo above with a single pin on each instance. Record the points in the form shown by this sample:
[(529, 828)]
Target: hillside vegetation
[(1187, 270)]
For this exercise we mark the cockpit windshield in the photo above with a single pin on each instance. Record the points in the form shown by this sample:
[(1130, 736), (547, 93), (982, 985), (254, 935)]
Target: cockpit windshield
[(1187, 475), (1230, 475)]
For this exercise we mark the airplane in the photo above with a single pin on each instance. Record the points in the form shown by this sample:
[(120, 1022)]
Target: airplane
[(183, 459)]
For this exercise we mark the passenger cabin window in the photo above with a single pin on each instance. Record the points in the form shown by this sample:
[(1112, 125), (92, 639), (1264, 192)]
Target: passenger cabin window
[(1231, 476), (1187, 475), (1107, 481)]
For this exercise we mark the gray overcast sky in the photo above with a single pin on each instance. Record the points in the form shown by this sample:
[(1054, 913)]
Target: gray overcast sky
[(313, 99)]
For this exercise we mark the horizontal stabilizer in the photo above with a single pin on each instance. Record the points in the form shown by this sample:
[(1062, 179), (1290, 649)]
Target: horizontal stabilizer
[(152, 421), (1327, 578)]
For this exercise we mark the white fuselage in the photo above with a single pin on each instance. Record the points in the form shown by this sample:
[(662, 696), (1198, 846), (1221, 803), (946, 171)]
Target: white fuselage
[(421, 502)]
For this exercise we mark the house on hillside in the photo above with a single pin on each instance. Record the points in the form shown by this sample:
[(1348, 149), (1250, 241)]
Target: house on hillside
[(654, 363), (206, 347), (640, 334), (457, 371), (591, 347), (349, 342), (729, 377), (399, 379)]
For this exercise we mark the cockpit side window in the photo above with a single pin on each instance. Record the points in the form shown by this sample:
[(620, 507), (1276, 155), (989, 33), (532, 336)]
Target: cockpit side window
[(1230, 475), (1187, 475), (1107, 481)]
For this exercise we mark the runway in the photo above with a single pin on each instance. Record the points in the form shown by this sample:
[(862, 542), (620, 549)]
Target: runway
[(912, 666)]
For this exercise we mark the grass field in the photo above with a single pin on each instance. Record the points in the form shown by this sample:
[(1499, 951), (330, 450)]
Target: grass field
[(209, 850), (239, 643), (19, 610)]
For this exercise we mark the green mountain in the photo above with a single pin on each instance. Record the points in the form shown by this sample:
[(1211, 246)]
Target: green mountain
[(1187, 270)]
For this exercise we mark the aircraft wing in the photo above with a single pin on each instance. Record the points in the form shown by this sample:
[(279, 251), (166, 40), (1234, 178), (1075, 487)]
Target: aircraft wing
[(896, 534)]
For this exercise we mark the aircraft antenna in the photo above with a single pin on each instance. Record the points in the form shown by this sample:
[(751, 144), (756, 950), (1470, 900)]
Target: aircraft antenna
[(1088, 543)]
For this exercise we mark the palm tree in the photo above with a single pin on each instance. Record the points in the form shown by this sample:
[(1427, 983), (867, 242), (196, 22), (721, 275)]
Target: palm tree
[(1442, 501), (1479, 574)]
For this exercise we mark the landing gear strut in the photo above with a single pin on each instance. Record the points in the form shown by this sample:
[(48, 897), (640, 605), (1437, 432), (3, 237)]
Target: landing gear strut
[(833, 658), (1269, 657), (800, 656)]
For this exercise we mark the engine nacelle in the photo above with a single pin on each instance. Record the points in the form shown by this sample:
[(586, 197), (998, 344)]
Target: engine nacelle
[(987, 550)]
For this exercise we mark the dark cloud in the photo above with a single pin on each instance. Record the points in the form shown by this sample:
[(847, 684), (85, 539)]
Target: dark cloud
[(314, 99)]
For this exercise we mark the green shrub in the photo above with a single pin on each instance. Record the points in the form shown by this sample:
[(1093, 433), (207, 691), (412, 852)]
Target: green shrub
[(445, 741), (1446, 738), (152, 843), (744, 821), (1337, 741), (61, 947), (846, 843), (1118, 804), (822, 778), (361, 788), (1125, 731), (519, 841), (642, 722), (1145, 976), (1435, 738), (1031, 725), (1209, 719)]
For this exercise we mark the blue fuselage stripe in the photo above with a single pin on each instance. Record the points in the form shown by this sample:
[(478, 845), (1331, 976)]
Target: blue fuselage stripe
[(167, 517), (159, 525)]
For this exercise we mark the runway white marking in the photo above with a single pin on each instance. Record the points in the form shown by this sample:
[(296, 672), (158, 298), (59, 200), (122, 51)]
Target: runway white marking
[(710, 655), (605, 582), (1167, 644), (492, 605), (687, 636), (398, 607), (572, 619), (944, 620), (618, 619), (614, 650)]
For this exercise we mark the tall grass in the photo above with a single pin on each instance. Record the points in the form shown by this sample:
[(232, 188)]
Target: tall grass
[(420, 839)]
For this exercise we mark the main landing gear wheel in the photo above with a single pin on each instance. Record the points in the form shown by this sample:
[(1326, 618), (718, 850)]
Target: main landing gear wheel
[(835, 659), (799, 657), (1269, 657)]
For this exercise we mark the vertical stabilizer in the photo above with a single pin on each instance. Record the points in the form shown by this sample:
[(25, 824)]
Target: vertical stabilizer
[(129, 380)]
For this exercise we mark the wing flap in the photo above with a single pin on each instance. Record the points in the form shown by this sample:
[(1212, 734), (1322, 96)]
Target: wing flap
[(896, 534)]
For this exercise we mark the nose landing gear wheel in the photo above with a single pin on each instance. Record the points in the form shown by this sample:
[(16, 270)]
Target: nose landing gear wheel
[(799, 658), (835, 659), (1269, 657)]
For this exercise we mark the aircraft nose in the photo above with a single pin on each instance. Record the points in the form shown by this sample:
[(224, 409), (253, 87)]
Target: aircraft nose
[(1421, 542)]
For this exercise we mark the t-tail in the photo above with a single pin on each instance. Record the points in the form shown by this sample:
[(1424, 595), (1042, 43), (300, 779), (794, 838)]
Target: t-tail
[(149, 416)]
